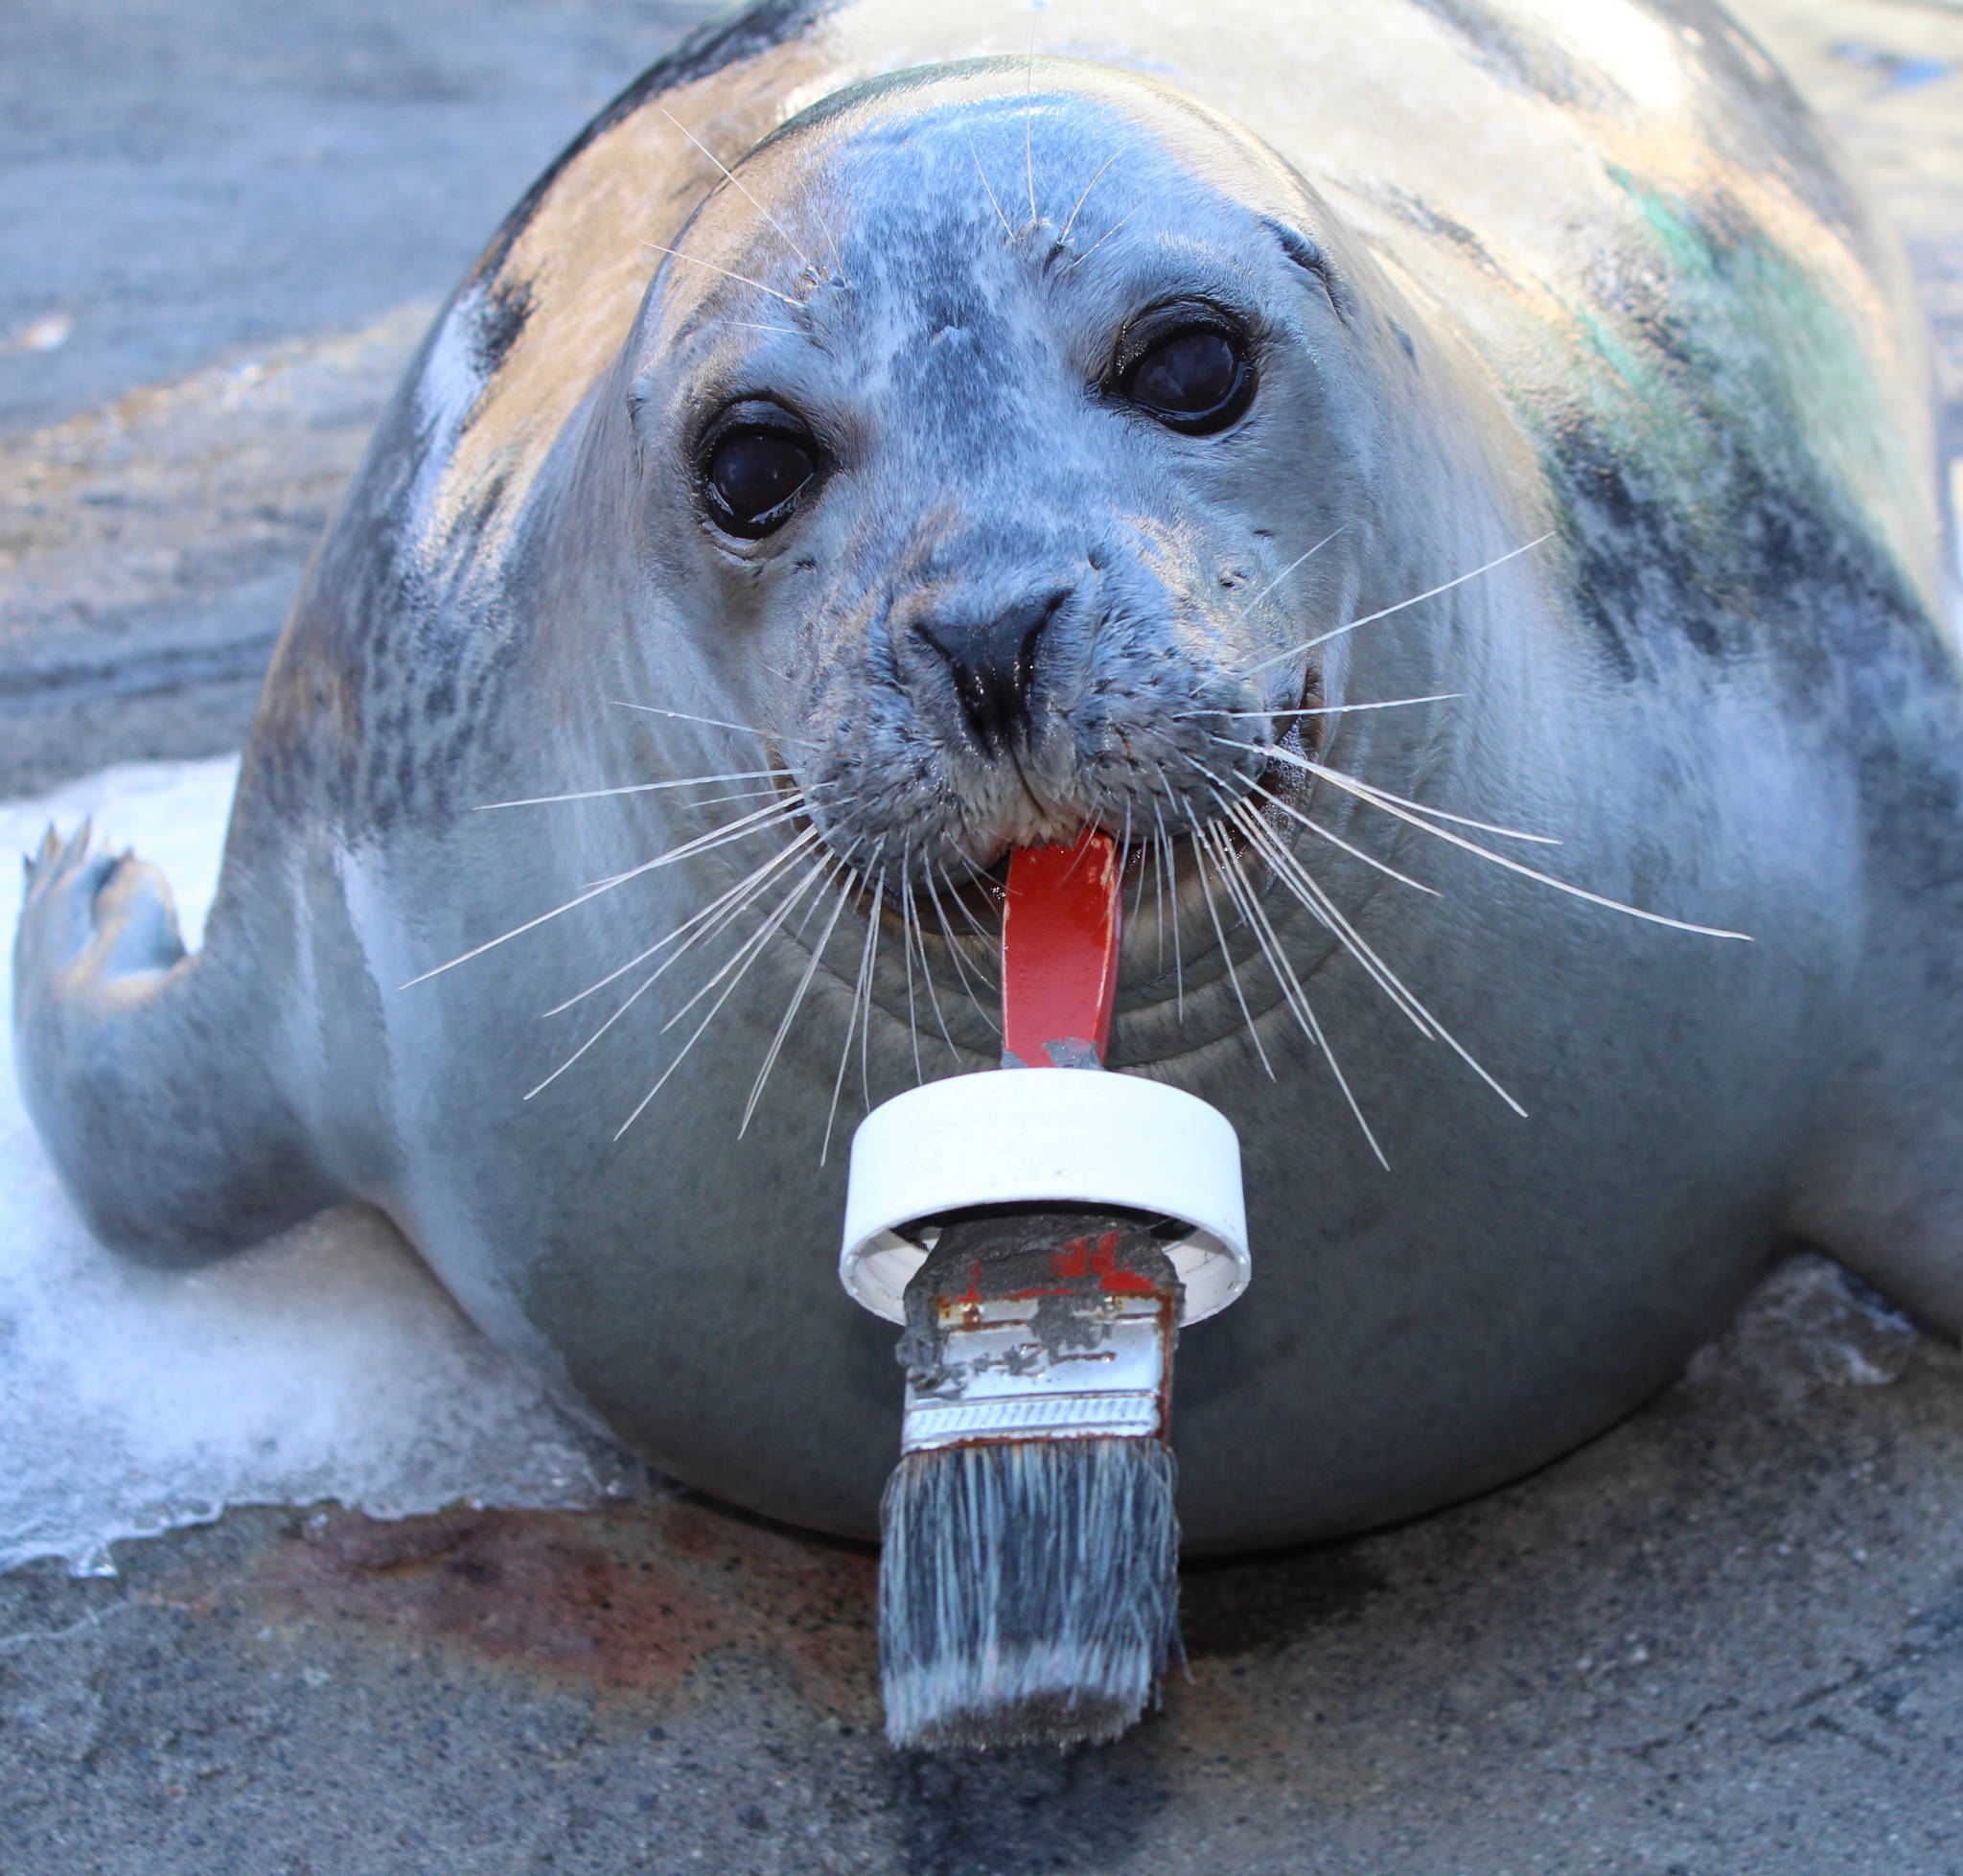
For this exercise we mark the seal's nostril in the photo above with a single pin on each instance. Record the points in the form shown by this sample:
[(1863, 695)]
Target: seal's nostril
[(994, 699), (976, 696), (994, 667)]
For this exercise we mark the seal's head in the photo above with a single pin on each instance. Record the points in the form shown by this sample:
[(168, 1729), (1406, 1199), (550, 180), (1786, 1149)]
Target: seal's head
[(999, 432)]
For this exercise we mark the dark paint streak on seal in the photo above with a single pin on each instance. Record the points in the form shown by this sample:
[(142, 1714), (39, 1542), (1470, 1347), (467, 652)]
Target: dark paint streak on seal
[(1426, 220), (1635, 552), (498, 321), (1527, 60)]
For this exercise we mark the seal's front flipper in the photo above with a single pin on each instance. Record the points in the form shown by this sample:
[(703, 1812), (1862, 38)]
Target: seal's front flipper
[(147, 1070)]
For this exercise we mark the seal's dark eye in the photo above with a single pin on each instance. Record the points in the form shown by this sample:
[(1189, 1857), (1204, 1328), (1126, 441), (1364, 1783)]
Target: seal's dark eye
[(1198, 380), (754, 478)]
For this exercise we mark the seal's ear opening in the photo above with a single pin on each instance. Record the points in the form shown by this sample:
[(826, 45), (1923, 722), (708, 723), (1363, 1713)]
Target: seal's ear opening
[(1309, 257), (641, 394)]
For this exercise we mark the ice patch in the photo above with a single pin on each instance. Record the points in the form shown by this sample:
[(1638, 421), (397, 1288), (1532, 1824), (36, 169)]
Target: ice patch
[(1810, 1326), (325, 1364)]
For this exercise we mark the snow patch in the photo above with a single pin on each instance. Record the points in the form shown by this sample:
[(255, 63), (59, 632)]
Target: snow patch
[(325, 1364)]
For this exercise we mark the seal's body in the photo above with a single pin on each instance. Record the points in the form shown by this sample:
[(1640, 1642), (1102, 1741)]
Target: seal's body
[(1026, 441)]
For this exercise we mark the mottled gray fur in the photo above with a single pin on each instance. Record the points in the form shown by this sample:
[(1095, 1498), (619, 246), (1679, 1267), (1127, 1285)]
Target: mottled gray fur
[(1596, 286)]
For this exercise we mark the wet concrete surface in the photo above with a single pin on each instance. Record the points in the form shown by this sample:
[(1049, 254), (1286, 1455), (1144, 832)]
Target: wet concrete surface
[(1725, 1638)]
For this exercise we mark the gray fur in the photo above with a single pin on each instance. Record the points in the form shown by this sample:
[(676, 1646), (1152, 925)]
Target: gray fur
[(1637, 310)]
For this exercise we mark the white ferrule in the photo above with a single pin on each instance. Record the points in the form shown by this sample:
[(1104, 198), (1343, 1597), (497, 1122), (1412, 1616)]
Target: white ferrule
[(1027, 1136)]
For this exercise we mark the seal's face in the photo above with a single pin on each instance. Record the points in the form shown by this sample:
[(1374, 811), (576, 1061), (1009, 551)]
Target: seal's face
[(1016, 488)]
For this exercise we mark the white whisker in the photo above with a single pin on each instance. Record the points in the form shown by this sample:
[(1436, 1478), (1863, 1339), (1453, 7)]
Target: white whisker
[(633, 998), (734, 183), (1098, 243), (639, 992), (926, 968), (831, 861), (872, 972), (1222, 792), (1030, 126), (1226, 952), (1291, 988), (791, 809), (1085, 197), (831, 241), (1322, 833), (907, 957), (1152, 857), (989, 192), (633, 788), (1329, 710), (706, 923), (1312, 895), (1417, 807), (1298, 561), (987, 885), (741, 828), (785, 906), (1376, 799), (735, 830), (713, 722), (751, 949), (811, 964), (1370, 619), (1172, 897), (654, 976), (851, 1021), (743, 278), (953, 948), (747, 794), (1126, 857), (1306, 891)]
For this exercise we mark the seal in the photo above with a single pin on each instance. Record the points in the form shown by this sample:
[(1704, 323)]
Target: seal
[(1448, 487)]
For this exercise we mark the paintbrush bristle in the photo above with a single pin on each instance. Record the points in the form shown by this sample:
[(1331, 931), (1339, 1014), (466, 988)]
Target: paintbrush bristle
[(1029, 1593)]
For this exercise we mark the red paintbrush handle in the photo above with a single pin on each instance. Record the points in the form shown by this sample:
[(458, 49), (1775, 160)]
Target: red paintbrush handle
[(1059, 954)]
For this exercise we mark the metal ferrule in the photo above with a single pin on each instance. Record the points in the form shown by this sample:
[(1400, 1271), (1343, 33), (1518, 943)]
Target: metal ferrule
[(1041, 1366)]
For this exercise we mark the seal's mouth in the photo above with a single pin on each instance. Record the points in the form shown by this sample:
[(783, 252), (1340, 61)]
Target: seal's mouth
[(1200, 903), (1154, 861)]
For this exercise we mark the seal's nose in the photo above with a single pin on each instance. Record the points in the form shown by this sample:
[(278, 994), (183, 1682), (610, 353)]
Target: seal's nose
[(993, 666)]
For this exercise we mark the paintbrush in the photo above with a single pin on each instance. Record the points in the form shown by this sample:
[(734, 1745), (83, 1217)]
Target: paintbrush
[(1028, 1586)]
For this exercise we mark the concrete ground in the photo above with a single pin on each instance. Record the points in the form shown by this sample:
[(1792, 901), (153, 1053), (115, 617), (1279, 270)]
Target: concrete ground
[(1725, 1638)]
